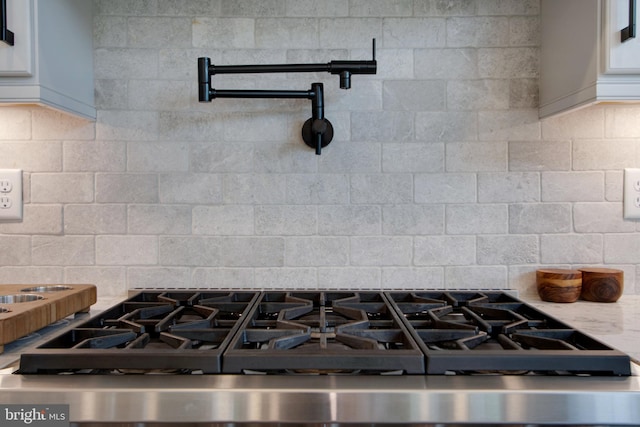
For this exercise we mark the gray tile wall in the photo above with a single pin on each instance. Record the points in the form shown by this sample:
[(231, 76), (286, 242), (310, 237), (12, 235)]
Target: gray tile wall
[(440, 173)]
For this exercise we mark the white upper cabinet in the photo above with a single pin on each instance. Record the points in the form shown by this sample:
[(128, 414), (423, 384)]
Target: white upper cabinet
[(583, 60), (51, 60)]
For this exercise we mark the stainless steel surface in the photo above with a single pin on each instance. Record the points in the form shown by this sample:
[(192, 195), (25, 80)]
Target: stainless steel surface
[(411, 399), (13, 299)]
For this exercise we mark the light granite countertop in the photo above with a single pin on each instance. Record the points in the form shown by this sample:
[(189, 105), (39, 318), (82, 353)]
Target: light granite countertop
[(616, 324)]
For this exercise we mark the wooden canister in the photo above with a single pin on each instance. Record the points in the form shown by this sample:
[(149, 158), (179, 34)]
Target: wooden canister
[(559, 285), (602, 284)]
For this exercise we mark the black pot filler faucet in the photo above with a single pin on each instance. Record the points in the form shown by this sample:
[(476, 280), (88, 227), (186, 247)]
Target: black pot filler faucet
[(317, 132)]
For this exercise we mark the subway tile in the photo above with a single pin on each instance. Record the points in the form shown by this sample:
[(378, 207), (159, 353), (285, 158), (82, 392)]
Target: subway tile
[(604, 154), (511, 125), (484, 94), (539, 156), (158, 219), (14, 250), (446, 63), (314, 8), (484, 277), (227, 33), (126, 188), (476, 156), (109, 281), (446, 126), (49, 124), (381, 251), (316, 251), (159, 277), (508, 63), (127, 125), (384, 8), (601, 218), (507, 249), (381, 188), (572, 186), (584, 123), (312, 189), (253, 8), (477, 219), (63, 250), (114, 63), (477, 31), (508, 7), (444, 250), (445, 188), (254, 189), (354, 157), (28, 275), (571, 248), (413, 157), (252, 251), (508, 187), (193, 188), (281, 220), (15, 123), (94, 156), (36, 219), (62, 188), (286, 33), (413, 95), (413, 32), (224, 220), (444, 8), (540, 218), (349, 220), (159, 32), (95, 219), (382, 126), (190, 251), (32, 156), (157, 156), (223, 278), (366, 278), (126, 250), (418, 278), (188, 7), (286, 278), (410, 219), (349, 32)]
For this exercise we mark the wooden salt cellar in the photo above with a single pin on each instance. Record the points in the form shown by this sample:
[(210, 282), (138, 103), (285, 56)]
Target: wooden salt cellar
[(559, 285), (602, 284)]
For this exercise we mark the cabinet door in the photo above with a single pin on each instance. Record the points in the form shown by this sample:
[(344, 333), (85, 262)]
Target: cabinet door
[(623, 58), (17, 60)]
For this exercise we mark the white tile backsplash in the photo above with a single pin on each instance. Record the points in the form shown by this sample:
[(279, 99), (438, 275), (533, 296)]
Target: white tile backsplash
[(440, 174)]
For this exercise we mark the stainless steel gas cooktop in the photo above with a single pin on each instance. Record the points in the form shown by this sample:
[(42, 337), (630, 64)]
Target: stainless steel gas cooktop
[(324, 333)]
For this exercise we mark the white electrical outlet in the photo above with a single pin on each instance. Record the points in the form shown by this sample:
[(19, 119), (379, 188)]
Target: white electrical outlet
[(10, 194), (632, 193)]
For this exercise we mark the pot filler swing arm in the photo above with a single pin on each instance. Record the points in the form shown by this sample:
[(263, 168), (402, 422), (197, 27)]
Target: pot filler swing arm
[(317, 132)]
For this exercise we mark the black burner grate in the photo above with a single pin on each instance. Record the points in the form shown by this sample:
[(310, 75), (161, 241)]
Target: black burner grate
[(324, 332), (493, 332)]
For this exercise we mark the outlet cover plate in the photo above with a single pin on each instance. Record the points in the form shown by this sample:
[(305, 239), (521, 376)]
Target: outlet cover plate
[(631, 193), (10, 194)]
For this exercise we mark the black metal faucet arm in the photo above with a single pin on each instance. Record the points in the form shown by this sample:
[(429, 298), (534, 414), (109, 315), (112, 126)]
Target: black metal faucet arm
[(317, 132)]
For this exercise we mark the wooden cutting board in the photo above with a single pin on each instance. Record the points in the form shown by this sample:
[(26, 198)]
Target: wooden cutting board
[(26, 308)]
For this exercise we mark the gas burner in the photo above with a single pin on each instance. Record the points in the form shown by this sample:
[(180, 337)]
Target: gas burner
[(150, 332), (323, 332), (471, 332)]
